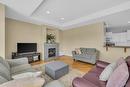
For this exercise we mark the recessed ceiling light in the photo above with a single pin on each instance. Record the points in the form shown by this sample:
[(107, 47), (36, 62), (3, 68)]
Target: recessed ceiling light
[(62, 18), (48, 12), (128, 21)]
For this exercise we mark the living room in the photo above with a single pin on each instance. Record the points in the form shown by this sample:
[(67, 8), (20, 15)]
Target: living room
[(56, 45)]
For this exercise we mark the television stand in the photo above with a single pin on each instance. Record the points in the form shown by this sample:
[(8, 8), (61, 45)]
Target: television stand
[(32, 57)]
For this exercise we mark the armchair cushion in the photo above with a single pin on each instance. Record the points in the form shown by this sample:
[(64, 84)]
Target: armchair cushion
[(27, 75), (21, 69), (25, 82), (16, 62)]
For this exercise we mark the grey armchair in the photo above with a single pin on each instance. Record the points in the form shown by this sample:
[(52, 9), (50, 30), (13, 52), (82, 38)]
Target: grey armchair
[(12, 67), (89, 55)]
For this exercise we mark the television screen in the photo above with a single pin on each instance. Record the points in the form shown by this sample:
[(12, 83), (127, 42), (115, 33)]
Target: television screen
[(26, 47)]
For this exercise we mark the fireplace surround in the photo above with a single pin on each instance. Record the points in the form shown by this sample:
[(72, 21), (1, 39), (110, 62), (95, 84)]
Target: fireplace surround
[(51, 51)]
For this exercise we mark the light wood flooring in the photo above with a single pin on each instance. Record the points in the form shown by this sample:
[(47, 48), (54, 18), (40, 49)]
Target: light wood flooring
[(82, 66)]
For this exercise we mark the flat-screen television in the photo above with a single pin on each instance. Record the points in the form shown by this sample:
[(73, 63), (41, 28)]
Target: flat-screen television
[(26, 47)]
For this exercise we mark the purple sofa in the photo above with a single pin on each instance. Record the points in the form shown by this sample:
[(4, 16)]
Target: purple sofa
[(91, 79)]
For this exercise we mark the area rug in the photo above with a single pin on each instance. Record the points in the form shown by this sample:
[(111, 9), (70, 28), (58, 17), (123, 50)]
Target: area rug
[(66, 80)]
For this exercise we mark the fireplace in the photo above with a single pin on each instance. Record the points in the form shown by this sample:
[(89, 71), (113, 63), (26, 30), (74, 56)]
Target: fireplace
[(51, 52)]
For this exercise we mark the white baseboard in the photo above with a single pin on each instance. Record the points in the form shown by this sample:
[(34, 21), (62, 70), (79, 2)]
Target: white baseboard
[(64, 53)]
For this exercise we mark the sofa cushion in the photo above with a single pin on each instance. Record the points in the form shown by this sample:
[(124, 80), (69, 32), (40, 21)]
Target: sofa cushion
[(27, 75), (21, 68), (84, 56), (91, 50), (96, 70), (4, 72), (25, 82), (119, 77), (105, 75), (3, 80), (24, 71), (83, 50), (81, 82), (93, 78), (101, 64), (5, 63)]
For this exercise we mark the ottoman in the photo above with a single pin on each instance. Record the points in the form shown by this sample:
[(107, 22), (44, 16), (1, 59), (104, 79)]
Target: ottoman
[(56, 69)]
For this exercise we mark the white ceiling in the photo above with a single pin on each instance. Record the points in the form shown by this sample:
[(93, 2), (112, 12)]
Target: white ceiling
[(119, 19), (75, 12)]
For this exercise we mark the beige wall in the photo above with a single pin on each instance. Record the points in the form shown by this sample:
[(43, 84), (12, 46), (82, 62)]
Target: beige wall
[(55, 31), (90, 36), (2, 30), (17, 31)]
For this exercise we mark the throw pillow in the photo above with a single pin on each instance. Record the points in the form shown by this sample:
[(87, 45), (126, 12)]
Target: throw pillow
[(27, 74), (105, 75), (120, 61), (119, 77), (78, 51), (83, 50)]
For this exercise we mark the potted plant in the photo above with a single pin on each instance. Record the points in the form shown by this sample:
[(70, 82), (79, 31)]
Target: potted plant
[(50, 38)]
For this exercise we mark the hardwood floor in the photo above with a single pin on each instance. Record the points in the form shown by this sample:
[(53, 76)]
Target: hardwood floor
[(82, 66)]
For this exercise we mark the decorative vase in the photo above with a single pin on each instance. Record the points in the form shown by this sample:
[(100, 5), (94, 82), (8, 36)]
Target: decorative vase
[(49, 41), (53, 41)]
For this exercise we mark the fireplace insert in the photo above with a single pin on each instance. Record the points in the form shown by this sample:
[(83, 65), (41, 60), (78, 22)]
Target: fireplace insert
[(51, 52)]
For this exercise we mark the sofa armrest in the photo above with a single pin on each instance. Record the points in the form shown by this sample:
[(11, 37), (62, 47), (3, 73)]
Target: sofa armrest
[(73, 53), (101, 64), (16, 62)]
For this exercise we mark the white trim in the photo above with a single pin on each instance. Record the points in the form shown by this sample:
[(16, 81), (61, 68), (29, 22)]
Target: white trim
[(79, 22), (74, 23)]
